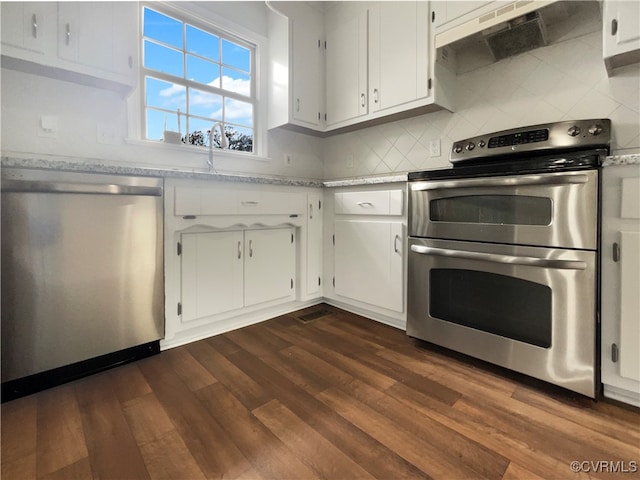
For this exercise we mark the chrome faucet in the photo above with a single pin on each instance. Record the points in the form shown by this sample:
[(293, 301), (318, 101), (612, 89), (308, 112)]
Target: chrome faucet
[(223, 143)]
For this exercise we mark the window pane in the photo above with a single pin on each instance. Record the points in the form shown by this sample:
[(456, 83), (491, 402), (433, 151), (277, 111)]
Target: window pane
[(163, 59), (155, 124), (240, 139), (236, 56), (202, 71), (205, 104), (162, 28), (203, 43), (235, 81), (238, 112), (493, 209), (199, 131), (165, 95), (498, 304)]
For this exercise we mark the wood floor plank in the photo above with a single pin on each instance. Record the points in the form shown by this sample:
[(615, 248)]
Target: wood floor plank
[(80, 470), (18, 435), (311, 447), (484, 461), (615, 426), (61, 437), (113, 451), (168, 458), (266, 453), (337, 359), (362, 448), (147, 418), (128, 382), (483, 432), (245, 388), (217, 456), (434, 462), (192, 373)]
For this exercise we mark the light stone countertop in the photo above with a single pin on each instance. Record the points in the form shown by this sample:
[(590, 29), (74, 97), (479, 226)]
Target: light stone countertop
[(167, 172), (617, 160)]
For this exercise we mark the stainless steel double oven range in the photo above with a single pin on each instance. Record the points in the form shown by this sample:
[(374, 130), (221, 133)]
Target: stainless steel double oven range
[(503, 251)]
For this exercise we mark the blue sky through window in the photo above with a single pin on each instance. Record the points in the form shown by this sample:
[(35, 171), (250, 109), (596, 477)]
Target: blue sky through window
[(194, 78)]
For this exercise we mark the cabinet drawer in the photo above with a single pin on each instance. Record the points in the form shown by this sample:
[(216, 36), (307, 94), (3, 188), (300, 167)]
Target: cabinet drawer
[(270, 203), (387, 202), (203, 201)]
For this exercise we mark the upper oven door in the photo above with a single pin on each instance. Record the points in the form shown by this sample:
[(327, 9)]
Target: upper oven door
[(547, 209)]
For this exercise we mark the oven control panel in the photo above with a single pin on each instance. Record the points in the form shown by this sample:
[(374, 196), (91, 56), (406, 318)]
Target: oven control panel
[(577, 134)]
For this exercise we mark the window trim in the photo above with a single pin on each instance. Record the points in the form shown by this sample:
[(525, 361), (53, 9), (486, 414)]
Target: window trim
[(206, 20)]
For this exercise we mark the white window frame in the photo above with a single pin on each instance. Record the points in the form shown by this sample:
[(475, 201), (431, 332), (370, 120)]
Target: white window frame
[(203, 18)]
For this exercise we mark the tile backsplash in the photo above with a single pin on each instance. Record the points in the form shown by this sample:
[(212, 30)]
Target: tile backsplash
[(564, 81)]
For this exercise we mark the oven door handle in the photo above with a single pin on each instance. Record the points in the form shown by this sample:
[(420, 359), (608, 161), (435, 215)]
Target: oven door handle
[(495, 258), (563, 179)]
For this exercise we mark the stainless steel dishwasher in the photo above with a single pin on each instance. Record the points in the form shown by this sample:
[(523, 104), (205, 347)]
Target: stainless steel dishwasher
[(82, 275)]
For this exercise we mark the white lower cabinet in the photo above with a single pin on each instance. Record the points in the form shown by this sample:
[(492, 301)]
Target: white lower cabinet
[(368, 262), (365, 264), (620, 283), (224, 271)]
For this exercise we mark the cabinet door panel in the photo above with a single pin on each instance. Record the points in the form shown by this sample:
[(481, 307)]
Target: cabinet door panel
[(212, 273), (269, 265), (368, 262), (629, 305), (394, 52), (314, 244), (346, 58)]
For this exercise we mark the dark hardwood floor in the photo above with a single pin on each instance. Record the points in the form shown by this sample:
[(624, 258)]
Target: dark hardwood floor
[(340, 397)]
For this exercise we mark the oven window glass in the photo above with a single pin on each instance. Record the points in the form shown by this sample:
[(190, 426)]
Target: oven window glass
[(492, 209), (498, 304)]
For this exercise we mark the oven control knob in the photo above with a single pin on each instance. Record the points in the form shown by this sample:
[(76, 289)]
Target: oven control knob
[(470, 146), (595, 129), (457, 149), (574, 130), (481, 144)]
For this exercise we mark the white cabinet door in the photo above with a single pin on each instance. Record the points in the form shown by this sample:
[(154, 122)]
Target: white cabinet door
[(269, 265), (314, 244), (346, 62), (212, 273), (368, 261), (29, 25), (621, 33), (620, 283), (399, 51), (308, 69), (99, 35)]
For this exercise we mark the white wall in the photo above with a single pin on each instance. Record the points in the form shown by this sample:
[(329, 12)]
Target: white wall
[(561, 82)]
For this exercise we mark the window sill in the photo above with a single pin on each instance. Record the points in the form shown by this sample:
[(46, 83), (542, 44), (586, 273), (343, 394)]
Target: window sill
[(195, 150)]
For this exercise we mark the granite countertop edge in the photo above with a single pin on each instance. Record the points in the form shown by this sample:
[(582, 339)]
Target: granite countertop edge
[(94, 167), (619, 160)]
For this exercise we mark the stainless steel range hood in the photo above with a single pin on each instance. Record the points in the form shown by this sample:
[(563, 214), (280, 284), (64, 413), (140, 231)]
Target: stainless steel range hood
[(514, 28)]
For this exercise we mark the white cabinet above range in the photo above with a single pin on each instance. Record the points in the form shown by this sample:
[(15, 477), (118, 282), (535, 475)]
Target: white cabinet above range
[(621, 33)]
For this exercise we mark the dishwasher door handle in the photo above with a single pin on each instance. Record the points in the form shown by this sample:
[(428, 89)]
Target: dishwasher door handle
[(36, 186), (504, 259)]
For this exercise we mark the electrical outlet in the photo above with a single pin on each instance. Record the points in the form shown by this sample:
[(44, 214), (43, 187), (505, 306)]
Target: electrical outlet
[(350, 163), (48, 126), (434, 148), (288, 160)]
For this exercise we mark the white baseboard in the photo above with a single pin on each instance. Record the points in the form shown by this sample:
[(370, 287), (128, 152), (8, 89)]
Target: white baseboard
[(624, 396)]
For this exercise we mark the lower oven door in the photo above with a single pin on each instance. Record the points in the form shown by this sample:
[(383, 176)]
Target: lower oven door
[(529, 309)]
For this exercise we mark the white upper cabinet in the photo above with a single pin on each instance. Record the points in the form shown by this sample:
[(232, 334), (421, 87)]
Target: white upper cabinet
[(29, 26), (93, 43), (621, 33), (346, 62), (399, 53), (296, 65)]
